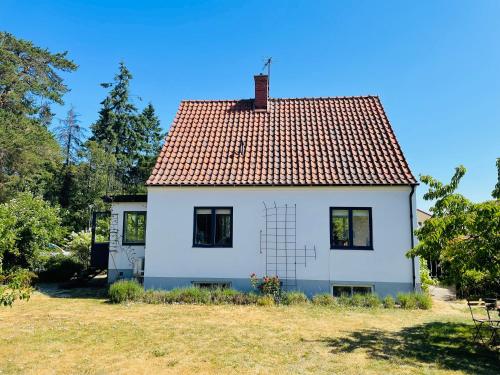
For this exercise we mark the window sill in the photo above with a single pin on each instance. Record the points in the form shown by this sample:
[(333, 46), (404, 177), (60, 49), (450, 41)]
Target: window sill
[(212, 247), (133, 243), (352, 248)]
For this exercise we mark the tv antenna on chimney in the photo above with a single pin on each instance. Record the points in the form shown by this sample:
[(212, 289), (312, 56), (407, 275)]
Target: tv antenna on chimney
[(267, 64)]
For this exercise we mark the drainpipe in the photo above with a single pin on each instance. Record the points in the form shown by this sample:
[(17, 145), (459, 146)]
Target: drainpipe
[(411, 234)]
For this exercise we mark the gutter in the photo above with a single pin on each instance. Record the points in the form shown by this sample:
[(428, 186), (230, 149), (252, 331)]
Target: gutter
[(412, 240)]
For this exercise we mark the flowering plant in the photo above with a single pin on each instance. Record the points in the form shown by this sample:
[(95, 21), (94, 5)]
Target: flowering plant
[(269, 285)]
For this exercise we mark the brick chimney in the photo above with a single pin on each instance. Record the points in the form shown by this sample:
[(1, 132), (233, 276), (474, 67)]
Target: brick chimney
[(261, 91)]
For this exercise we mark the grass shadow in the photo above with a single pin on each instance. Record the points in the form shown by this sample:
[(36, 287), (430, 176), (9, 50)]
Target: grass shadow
[(55, 290), (446, 345)]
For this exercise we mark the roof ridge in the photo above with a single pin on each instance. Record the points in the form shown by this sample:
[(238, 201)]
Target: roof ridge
[(275, 99)]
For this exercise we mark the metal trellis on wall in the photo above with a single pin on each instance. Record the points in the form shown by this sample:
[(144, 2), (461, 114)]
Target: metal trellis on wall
[(278, 241)]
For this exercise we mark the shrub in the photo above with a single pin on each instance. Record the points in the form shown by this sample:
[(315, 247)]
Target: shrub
[(28, 225), (343, 300), (295, 298), (389, 302), (155, 296), (224, 296), (324, 299), (269, 285), (407, 301), (359, 300), (424, 301), (79, 246), (59, 268), (371, 300), (125, 290), (189, 295), (415, 301), (246, 299), (266, 300), (16, 285), (425, 277)]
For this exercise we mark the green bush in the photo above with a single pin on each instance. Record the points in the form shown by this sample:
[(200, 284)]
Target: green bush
[(294, 298), (266, 300), (415, 301), (389, 302), (371, 301), (246, 299), (323, 299), (125, 290), (223, 296), (60, 268), (407, 301), (15, 285), (359, 300), (79, 246), (424, 301), (190, 295), (343, 300), (155, 296)]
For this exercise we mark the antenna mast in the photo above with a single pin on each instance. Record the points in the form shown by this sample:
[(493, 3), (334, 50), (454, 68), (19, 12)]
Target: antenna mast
[(267, 64)]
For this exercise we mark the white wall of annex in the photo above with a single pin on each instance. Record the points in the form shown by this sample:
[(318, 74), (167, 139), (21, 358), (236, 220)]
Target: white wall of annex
[(169, 238), (120, 259)]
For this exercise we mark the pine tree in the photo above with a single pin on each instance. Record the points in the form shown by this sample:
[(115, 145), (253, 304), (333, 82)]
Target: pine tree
[(70, 135), (148, 125), (29, 73), (116, 129)]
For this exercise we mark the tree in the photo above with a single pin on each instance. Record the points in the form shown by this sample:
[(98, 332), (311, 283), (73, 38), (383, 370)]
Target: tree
[(28, 74), (496, 192), (464, 237), (92, 178), (28, 224), (30, 157), (116, 129), (70, 135), (148, 126)]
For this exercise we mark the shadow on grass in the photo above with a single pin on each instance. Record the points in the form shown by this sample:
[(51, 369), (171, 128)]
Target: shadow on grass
[(59, 291), (446, 345)]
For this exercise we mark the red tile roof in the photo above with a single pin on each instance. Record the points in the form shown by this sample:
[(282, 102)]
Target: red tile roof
[(309, 141)]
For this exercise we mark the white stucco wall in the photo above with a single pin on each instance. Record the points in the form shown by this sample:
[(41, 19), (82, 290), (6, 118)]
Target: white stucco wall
[(170, 252), (119, 260)]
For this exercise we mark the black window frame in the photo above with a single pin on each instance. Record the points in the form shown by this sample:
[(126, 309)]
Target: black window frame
[(124, 228), (212, 235), (351, 233)]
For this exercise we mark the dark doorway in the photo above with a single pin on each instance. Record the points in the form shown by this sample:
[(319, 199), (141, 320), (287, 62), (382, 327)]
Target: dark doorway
[(99, 252)]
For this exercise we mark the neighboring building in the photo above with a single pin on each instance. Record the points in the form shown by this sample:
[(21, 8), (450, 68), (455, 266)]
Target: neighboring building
[(433, 265), (314, 190), (422, 216)]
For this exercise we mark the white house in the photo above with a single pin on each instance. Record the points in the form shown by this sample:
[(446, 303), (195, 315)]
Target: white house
[(314, 190)]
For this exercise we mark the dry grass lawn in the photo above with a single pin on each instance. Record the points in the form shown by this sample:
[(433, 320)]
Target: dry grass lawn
[(87, 335)]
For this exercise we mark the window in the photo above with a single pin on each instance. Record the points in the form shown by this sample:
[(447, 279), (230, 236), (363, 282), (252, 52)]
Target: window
[(351, 228), (349, 290), (134, 228), (213, 227), (211, 285)]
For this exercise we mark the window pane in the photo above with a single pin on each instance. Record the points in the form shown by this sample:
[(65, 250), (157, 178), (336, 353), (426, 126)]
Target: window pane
[(203, 230), (361, 227), (361, 290), (341, 291), (340, 228), (102, 224), (135, 227), (223, 227)]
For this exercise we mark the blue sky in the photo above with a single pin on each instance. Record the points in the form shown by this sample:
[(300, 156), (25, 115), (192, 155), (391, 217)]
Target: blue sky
[(435, 64)]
